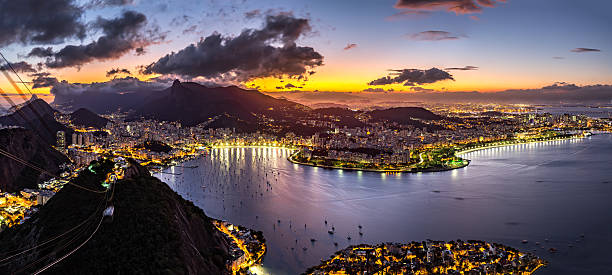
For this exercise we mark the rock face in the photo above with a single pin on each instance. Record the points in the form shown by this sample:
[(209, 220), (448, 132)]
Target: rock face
[(153, 230), (23, 144)]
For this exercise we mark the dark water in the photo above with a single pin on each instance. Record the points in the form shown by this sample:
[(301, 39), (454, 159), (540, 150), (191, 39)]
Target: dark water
[(555, 190), (587, 111)]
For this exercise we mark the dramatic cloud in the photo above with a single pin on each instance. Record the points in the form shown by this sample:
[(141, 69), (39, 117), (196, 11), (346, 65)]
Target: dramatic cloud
[(433, 36), (41, 52), (412, 77), (39, 21), (270, 51), (117, 71), (289, 86), (585, 50), (350, 46), (466, 68), (20, 67), (456, 6), (120, 35), (43, 80), (118, 85)]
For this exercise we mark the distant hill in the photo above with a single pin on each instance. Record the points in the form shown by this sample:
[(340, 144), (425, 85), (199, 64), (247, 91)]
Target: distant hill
[(191, 103), (407, 116), (27, 146), (86, 118), (37, 116), (153, 231), (103, 102), (399, 114)]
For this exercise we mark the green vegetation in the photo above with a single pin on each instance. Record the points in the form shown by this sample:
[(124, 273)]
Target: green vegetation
[(422, 160)]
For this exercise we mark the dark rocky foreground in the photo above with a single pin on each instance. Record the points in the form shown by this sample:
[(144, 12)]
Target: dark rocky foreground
[(153, 231)]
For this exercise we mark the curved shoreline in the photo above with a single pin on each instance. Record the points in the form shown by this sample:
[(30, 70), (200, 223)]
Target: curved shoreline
[(462, 152), (426, 170)]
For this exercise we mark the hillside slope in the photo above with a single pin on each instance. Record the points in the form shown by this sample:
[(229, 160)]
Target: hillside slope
[(191, 103), (86, 118), (37, 116), (153, 231), (27, 146)]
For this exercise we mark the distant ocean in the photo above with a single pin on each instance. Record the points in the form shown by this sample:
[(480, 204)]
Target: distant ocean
[(578, 110)]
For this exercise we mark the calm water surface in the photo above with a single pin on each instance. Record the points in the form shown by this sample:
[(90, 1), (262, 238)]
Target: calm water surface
[(554, 190)]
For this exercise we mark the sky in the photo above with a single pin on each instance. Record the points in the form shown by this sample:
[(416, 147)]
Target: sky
[(315, 45)]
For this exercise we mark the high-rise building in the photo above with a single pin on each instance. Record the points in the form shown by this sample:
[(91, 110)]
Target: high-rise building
[(74, 138), (61, 139)]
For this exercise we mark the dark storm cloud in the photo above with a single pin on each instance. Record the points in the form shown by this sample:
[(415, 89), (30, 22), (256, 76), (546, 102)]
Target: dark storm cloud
[(289, 86), (39, 21), (457, 6), (585, 50), (20, 67), (41, 52), (270, 51), (350, 46), (120, 35), (112, 72), (43, 80), (466, 68), (412, 77), (433, 36)]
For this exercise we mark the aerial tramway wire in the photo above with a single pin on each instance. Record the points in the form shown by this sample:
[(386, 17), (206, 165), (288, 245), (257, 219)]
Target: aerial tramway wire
[(26, 163), (17, 159), (74, 250), (21, 251), (80, 233), (27, 121), (23, 95)]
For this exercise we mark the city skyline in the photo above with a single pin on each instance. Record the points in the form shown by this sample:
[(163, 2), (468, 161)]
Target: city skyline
[(242, 137), (476, 45)]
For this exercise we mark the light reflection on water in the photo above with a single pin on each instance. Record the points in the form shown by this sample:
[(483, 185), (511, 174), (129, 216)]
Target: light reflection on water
[(554, 190)]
